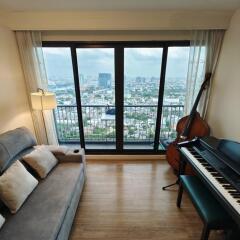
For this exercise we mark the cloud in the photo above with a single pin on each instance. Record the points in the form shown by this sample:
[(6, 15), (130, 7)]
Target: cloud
[(144, 62), (178, 52), (56, 51), (143, 54), (94, 61)]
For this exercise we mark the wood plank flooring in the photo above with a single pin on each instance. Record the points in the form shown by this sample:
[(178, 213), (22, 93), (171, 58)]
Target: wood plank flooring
[(124, 200)]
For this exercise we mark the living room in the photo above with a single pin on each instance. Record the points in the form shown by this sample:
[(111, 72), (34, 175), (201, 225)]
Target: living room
[(107, 92)]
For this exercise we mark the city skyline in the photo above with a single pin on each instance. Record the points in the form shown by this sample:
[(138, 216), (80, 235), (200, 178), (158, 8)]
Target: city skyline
[(142, 67)]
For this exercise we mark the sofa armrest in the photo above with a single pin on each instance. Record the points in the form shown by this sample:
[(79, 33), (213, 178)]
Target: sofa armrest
[(72, 155)]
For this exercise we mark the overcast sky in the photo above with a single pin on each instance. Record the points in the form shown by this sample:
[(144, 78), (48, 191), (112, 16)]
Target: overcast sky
[(143, 62)]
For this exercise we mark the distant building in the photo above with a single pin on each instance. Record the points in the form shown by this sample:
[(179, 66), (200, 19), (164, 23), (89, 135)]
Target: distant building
[(140, 80), (81, 78), (171, 101), (104, 80)]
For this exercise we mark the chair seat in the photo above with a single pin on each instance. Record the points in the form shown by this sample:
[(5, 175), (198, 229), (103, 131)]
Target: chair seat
[(209, 209)]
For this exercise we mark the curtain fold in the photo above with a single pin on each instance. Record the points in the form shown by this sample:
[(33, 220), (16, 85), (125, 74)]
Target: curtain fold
[(205, 47), (31, 54)]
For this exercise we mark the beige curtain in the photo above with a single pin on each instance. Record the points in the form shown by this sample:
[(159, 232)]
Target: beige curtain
[(30, 49), (205, 47)]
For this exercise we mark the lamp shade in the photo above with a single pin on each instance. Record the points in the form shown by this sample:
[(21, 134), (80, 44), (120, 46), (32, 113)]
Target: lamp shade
[(43, 100)]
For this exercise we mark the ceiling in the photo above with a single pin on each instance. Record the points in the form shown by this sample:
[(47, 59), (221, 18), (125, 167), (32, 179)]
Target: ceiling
[(68, 5)]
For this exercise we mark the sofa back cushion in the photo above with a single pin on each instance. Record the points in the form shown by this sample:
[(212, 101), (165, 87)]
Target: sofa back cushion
[(12, 143)]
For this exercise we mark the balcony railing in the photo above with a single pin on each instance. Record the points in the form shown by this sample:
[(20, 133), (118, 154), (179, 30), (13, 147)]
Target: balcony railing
[(99, 123)]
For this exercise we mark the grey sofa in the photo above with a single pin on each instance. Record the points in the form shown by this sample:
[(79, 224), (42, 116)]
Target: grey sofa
[(49, 211)]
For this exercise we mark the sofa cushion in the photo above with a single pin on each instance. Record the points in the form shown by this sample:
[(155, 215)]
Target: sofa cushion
[(42, 214), (12, 143)]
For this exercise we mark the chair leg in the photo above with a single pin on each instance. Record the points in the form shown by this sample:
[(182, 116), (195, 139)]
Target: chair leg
[(205, 232), (180, 193)]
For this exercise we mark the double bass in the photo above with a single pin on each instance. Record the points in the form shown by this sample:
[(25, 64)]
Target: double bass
[(187, 128)]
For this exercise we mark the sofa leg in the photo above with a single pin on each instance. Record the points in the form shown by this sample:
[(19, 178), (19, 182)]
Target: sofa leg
[(180, 193), (205, 232)]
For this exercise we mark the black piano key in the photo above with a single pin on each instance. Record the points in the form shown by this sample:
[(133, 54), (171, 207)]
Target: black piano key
[(221, 180), (215, 174), (200, 160), (210, 169), (233, 191), (236, 196), (228, 188)]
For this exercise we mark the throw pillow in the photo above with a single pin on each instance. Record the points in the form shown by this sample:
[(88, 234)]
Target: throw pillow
[(41, 160), (16, 184), (55, 149)]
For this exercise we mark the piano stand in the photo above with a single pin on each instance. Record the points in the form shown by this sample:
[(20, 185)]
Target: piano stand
[(170, 185), (181, 170)]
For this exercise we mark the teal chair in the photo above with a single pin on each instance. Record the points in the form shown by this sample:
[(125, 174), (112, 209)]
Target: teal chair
[(213, 215)]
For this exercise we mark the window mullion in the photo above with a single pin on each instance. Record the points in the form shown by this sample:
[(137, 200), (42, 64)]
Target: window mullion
[(78, 95), (119, 94), (160, 97)]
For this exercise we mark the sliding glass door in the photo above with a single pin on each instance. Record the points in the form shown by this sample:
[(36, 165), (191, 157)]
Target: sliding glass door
[(174, 91), (142, 68), (97, 90), (59, 70), (118, 97)]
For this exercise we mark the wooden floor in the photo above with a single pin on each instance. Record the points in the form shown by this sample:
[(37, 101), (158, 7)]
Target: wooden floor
[(124, 200)]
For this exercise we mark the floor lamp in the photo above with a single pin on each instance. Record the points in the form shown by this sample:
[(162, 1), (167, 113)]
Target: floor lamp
[(42, 100)]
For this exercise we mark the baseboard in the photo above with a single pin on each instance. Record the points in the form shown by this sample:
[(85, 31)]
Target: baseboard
[(125, 157)]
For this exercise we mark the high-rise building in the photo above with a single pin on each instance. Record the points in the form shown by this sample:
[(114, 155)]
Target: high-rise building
[(104, 80)]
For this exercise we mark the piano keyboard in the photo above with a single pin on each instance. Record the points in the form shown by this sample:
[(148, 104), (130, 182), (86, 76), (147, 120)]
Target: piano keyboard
[(225, 189)]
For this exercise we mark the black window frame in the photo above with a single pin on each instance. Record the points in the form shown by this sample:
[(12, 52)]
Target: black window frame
[(119, 83)]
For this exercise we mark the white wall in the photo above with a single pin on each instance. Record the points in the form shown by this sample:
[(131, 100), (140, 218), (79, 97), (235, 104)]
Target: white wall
[(14, 107), (224, 109), (115, 35), (117, 20)]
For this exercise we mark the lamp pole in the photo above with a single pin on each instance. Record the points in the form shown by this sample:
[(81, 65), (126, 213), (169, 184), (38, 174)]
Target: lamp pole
[(42, 100), (43, 118)]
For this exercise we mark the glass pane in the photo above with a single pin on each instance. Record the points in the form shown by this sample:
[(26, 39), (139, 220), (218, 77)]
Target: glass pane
[(97, 85), (175, 91), (60, 81), (142, 67)]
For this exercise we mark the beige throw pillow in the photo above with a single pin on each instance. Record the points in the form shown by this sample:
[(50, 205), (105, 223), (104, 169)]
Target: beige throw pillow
[(2, 220), (16, 184), (55, 149), (41, 160)]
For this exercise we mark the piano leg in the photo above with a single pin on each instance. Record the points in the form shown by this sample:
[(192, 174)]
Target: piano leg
[(181, 171), (205, 232), (180, 193)]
